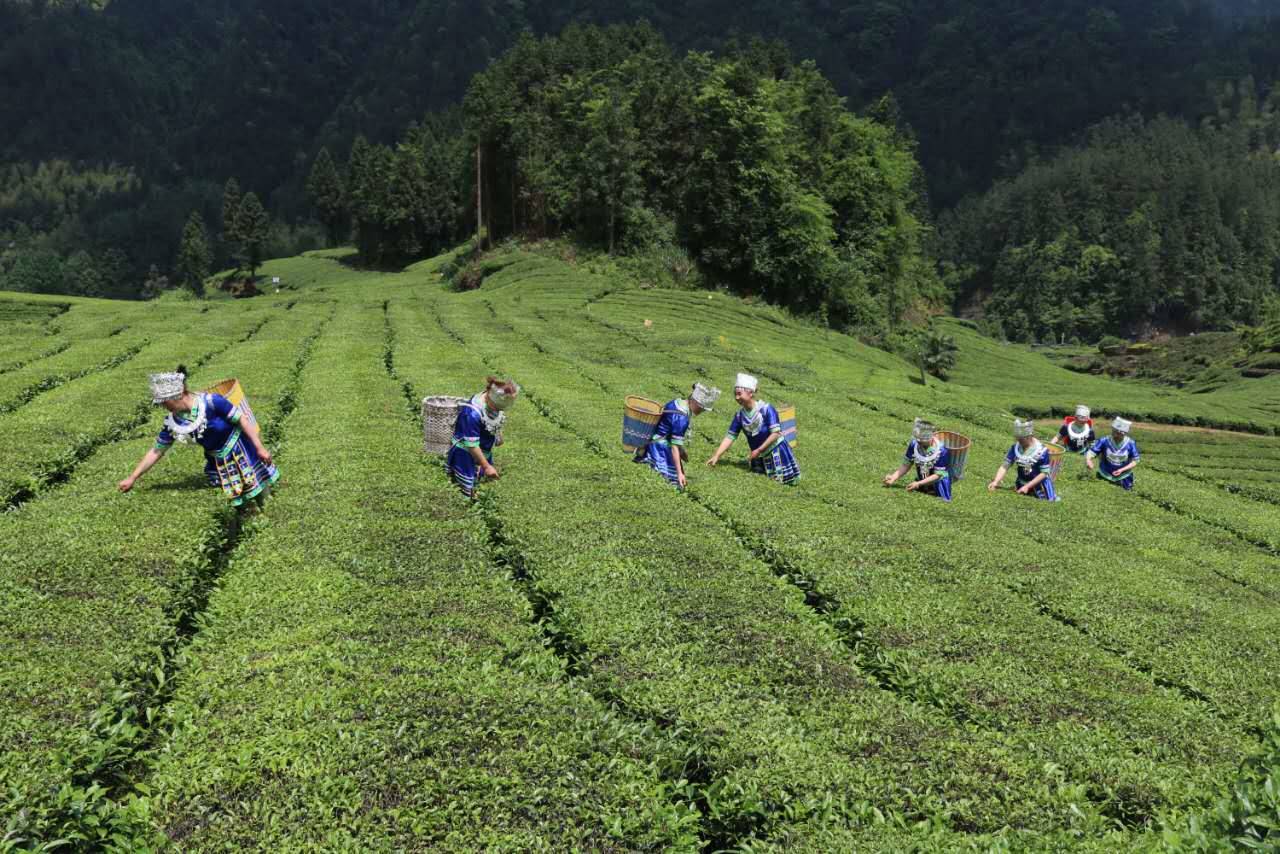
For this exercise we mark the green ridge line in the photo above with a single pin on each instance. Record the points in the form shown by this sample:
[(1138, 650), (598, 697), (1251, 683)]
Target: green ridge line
[(19, 365), (33, 391)]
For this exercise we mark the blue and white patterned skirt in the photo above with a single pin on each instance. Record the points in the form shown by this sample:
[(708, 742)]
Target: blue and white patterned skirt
[(238, 471), (778, 463)]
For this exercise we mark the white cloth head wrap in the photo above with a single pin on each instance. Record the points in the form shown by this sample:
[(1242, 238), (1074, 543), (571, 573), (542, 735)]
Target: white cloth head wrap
[(167, 386), (746, 381), (922, 431), (1082, 412), (1122, 425), (704, 397), (500, 399), (1023, 429)]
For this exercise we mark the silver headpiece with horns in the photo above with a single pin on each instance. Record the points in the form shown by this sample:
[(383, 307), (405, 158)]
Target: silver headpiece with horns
[(167, 386), (705, 397), (922, 430)]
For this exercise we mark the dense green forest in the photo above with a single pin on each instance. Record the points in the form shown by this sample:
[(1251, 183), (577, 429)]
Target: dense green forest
[(1150, 225), (749, 164), (125, 121)]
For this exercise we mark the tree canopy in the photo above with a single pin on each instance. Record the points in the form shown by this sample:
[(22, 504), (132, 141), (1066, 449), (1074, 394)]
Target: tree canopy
[(1150, 225)]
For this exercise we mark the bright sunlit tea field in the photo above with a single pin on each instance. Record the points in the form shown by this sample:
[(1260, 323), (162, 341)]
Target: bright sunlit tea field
[(586, 657)]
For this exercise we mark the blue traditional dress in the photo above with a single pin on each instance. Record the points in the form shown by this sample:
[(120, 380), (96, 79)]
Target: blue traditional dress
[(759, 423), (475, 427), (1031, 463), (1073, 438), (668, 440), (929, 460), (230, 461), (1115, 457)]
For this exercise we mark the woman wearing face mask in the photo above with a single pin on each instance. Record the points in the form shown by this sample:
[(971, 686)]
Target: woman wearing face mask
[(665, 452), (930, 457), (476, 431), (770, 453), (1119, 455), (235, 458), (1031, 458)]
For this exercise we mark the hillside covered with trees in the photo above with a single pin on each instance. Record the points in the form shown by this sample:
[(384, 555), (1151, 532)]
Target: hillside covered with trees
[(131, 116), (1149, 225)]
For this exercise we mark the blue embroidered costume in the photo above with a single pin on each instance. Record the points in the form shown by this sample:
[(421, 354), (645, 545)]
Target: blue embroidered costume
[(933, 458), (759, 423), (668, 440), (475, 427), (231, 462), (1115, 457), (1075, 439), (1031, 463)]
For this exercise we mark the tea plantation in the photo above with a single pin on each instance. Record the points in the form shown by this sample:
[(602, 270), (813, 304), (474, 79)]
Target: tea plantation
[(585, 658)]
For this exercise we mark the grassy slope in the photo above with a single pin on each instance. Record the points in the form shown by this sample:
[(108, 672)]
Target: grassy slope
[(829, 665), (1011, 378)]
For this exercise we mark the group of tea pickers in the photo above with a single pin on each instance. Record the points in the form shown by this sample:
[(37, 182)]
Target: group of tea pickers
[(770, 446)]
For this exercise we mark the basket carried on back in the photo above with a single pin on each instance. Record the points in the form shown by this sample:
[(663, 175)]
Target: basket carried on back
[(439, 414), (958, 453), (640, 417), (787, 419), (1057, 454), (232, 391)]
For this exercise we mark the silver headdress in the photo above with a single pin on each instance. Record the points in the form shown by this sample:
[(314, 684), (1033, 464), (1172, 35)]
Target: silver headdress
[(167, 386), (1082, 412), (746, 381), (922, 431), (1023, 429), (1122, 425), (704, 397)]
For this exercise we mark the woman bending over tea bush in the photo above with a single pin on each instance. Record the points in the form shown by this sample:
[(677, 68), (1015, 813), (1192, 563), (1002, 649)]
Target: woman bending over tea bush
[(1033, 463), (476, 431), (931, 458), (234, 457)]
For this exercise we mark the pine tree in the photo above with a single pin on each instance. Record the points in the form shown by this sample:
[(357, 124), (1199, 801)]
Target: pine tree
[(325, 189), (192, 266), (231, 198), (253, 226)]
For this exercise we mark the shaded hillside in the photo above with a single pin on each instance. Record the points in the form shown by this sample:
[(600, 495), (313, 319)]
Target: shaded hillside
[(234, 87)]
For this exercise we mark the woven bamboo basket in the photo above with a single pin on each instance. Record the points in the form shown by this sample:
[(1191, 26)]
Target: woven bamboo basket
[(958, 453), (640, 417), (234, 392), (787, 418), (1057, 454), (439, 414)]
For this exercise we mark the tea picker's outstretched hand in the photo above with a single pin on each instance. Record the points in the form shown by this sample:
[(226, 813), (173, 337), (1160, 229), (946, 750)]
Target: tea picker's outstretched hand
[(724, 446)]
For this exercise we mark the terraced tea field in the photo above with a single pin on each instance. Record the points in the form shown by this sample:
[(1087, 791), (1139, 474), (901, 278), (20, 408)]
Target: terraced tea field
[(587, 659)]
